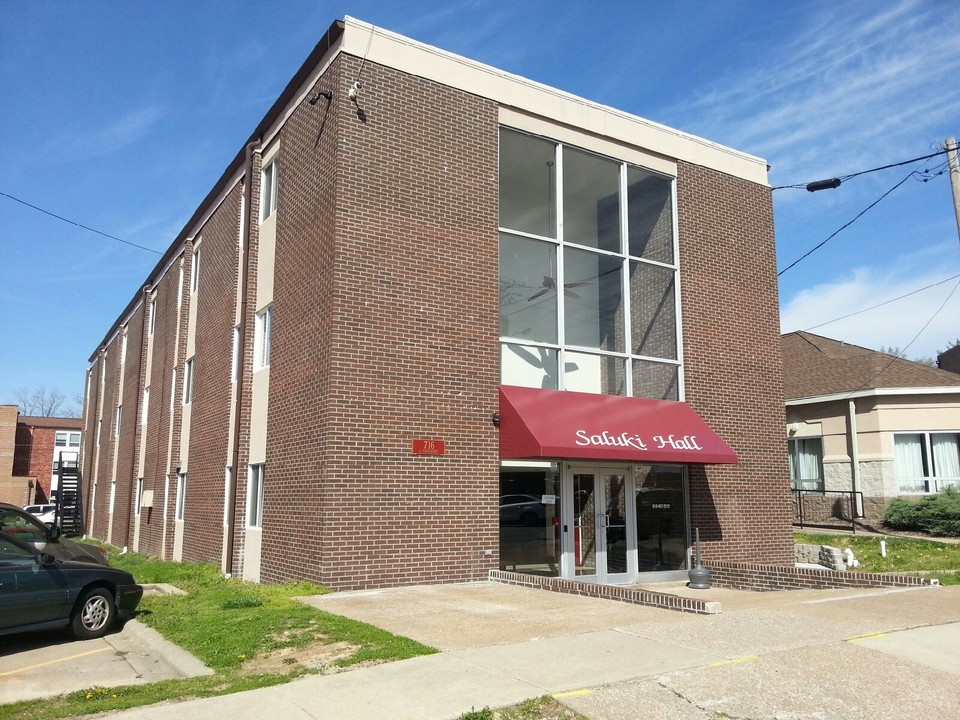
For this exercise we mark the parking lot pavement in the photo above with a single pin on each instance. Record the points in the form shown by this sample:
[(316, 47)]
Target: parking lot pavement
[(38, 665)]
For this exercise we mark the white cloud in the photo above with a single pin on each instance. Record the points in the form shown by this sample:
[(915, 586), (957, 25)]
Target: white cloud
[(857, 83), (892, 325)]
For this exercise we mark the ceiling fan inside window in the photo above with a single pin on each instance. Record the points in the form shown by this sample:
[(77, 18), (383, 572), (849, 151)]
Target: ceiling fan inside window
[(549, 284)]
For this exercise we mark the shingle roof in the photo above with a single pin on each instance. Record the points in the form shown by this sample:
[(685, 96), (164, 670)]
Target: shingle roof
[(814, 365)]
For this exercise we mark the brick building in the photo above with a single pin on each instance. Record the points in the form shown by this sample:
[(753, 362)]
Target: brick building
[(435, 320), (31, 448)]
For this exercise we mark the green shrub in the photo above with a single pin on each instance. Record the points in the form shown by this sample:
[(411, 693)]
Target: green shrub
[(938, 515)]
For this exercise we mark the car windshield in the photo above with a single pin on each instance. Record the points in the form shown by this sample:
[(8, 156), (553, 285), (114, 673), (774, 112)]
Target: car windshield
[(22, 527)]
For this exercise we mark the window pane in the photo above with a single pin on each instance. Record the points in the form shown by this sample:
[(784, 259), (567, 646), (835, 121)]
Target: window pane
[(591, 200), (74, 439), (604, 374), (593, 309), (528, 201), (946, 455), (528, 297), (528, 366), (659, 381), (649, 215), (60, 439), (653, 310), (910, 462)]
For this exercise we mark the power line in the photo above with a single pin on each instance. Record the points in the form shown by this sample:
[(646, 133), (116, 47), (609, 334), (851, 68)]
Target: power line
[(79, 225), (904, 351), (885, 302), (841, 178), (845, 226)]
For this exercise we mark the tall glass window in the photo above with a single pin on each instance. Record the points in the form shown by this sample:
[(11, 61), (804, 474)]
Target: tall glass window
[(588, 291)]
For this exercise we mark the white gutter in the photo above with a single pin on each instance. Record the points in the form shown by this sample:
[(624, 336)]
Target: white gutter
[(876, 392)]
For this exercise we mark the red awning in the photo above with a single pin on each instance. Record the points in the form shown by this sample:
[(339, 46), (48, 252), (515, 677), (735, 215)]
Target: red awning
[(548, 423)]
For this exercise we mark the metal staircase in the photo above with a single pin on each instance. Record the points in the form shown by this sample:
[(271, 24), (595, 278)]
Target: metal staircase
[(69, 496)]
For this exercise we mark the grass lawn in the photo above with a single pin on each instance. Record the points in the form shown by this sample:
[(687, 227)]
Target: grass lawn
[(909, 556), (251, 635)]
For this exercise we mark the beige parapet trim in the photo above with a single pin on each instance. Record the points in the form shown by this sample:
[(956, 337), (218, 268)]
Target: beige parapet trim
[(518, 93), (587, 141)]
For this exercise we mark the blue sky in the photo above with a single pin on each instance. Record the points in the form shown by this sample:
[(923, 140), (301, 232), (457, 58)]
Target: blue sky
[(121, 116)]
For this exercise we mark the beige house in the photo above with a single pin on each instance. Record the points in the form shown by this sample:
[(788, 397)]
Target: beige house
[(864, 427)]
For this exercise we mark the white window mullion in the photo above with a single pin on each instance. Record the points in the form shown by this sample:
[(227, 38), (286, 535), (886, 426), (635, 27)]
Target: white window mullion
[(625, 280), (561, 328), (677, 309)]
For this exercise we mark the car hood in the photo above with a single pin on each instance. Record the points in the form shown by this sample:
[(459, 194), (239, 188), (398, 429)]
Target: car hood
[(66, 549)]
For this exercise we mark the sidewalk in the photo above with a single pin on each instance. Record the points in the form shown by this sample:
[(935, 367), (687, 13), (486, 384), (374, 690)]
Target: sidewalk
[(885, 653)]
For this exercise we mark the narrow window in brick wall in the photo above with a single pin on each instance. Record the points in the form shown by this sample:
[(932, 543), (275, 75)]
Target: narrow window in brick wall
[(235, 363), (139, 497), (195, 272), (255, 495), (119, 419), (268, 189), (263, 335), (60, 440), (145, 413), (181, 496), (187, 382), (588, 298), (153, 316)]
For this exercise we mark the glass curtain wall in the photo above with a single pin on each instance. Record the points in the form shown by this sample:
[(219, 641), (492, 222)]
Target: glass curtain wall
[(588, 297)]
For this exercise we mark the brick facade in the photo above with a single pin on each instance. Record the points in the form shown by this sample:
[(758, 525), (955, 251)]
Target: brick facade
[(385, 331)]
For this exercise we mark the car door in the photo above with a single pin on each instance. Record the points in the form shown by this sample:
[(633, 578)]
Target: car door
[(30, 591)]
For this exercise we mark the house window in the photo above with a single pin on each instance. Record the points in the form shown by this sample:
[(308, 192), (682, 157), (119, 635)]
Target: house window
[(188, 382), (588, 269), (262, 338), (153, 315), (255, 496), (139, 496), (181, 495), (116, 429), (926, 462), (806, 463), (146, 406), (61, 439), (195, 272), (173, 390), (268, 189), (74, 439), (99, 428)]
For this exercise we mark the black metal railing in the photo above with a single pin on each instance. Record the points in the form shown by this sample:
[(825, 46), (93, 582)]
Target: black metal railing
[(827, 508)]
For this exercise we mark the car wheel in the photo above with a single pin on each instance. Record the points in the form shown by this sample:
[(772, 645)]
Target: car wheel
[(94, 614)]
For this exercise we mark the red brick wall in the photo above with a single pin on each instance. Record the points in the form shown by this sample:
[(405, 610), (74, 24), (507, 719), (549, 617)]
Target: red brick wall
[(386, 330), (733, 364), (98, 499)]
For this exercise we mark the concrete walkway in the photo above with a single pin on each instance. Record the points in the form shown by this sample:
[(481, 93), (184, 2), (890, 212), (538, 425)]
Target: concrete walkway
[(805, 654)]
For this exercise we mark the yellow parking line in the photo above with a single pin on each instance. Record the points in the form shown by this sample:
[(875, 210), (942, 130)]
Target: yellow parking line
[(573, 693), (865, 636), (53, 662), (734, 661)]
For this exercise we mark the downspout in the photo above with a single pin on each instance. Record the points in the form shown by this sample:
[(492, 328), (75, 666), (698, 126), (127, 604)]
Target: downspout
[(252, 146), (135, 455), (854, 458)]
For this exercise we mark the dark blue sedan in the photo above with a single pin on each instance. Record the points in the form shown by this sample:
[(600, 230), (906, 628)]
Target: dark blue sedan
[(38, 592)]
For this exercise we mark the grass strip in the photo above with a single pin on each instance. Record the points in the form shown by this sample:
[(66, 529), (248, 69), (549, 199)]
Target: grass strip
[(907, 556)]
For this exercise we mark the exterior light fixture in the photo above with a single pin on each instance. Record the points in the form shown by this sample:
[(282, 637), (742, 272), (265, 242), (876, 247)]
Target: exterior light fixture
[(495, 419), (320, 94)]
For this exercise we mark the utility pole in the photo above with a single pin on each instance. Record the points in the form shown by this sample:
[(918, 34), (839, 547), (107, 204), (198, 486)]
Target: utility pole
[(951, 147)]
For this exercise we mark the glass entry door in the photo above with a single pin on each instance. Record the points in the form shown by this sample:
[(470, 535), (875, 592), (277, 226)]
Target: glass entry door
[(602, 542)]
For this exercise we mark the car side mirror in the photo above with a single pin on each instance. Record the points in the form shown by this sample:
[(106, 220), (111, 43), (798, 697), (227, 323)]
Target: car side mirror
[(47, 559), (53, 533)]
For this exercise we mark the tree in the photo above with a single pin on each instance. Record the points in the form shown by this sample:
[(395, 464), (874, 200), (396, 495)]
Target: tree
[(43, 402)]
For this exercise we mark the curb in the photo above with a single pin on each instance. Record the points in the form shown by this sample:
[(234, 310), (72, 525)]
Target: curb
[(174, 655)]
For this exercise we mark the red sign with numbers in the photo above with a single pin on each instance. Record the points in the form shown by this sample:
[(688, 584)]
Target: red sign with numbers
[(428, 447)]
